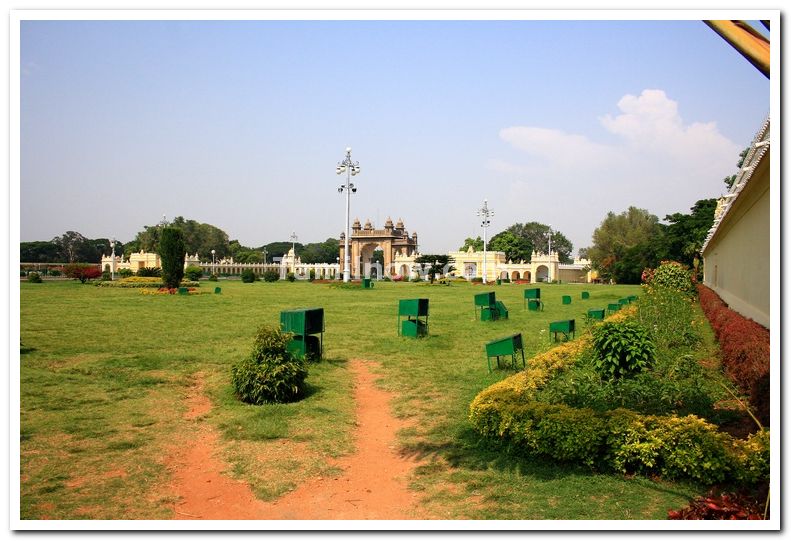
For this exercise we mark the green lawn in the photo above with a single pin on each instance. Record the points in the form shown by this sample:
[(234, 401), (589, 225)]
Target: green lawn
[(104, 374)]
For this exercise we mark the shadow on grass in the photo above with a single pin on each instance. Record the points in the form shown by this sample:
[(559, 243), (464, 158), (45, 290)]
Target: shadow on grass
[(24, 349), (468, 451)]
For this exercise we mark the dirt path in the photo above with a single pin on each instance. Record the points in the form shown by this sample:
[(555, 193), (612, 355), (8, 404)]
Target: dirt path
[(373, 484)]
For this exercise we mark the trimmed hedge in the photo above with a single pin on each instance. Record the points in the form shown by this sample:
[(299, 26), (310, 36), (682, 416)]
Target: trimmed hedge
[(155, 283), (618, 440), (745, 350)]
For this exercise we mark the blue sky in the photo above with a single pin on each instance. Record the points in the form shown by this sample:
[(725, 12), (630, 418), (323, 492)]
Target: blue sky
[(240, 124)]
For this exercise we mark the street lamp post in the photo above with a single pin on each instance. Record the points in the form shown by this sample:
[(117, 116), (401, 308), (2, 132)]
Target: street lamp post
[(484, 213), (293, 238), (213, 267), (351, 169), (112, 262), (549, 271)]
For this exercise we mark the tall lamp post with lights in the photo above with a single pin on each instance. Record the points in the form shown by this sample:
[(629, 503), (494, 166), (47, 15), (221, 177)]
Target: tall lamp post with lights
[(351, 169), (112, 262), (213, 264), (549, 272), (484, 213)]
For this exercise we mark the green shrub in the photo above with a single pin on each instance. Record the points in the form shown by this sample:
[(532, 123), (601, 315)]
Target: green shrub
[(671, 275), (291, 277), (621, 440), (672, 385), (623, 348), (270, 374), (171, 252), (125, 273), (248, 276), (311, 275), (271, 276), (150, 272), (34, 278), (212, 278), (193, 272), (55, 272)]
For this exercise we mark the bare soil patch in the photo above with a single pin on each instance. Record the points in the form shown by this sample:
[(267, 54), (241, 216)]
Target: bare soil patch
[(373, 484)]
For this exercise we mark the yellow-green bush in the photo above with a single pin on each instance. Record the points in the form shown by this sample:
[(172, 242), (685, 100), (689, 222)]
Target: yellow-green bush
[(618, 440)]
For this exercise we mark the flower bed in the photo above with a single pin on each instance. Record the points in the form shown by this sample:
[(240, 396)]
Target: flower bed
[(135, 282), (619, 440), (745, 350), (170, 291)]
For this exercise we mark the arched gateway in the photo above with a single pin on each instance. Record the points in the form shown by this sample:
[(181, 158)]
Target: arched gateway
[(394, 241)]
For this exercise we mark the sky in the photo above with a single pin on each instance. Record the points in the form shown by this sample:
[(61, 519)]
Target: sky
[(240, 124)]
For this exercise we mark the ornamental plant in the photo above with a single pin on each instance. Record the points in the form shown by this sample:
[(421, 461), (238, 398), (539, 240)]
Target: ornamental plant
[(623, 349), (34, 278), (270, 374), (271, 276), (172, 251), (670, 275), (82, 271), (248, 276), (193, 272)]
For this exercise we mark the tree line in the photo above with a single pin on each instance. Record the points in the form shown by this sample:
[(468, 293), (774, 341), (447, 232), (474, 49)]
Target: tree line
[(200, 238)]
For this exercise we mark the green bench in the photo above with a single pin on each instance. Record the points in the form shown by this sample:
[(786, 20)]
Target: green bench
[(531, 294), (632, 298), (623, 302), (183, 291), (416, 313), (488, 308), (534, 305), (367, 283), (613, 307), (595, 314), (565, 327), (217, 290), (503, 347), (566, 299), (305, 324), (585, 295)]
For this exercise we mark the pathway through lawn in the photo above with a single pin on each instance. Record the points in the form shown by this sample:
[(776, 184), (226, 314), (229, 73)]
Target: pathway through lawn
[(373, 484)]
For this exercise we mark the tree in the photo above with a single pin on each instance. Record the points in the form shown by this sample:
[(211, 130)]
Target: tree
[(477, 244), (320, 252), (436, 264), (198, 238), (38, 252), (617, 234), (171, 252), (81, 271), (685, 233), (535, 237), (515, 248), (72, 247), (583, 253)]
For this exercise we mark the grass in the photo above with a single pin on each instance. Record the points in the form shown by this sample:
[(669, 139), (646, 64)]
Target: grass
[(105, 373)]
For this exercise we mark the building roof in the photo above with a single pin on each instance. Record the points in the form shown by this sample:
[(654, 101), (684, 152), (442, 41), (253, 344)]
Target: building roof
[(758, 150)]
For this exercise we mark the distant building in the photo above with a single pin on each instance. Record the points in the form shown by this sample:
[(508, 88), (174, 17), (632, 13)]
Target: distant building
[(736, 253)]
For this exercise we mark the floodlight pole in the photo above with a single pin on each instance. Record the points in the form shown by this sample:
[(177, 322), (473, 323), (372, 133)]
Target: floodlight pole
[(112, 263), (549, 272), (485, 213), (351, 169)]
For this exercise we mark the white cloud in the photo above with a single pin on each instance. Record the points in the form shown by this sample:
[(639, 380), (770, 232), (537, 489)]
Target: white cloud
[(556, 147), (651, 123), (656, 162)]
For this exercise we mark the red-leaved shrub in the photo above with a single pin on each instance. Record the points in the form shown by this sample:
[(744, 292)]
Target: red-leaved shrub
[(745, 350)]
